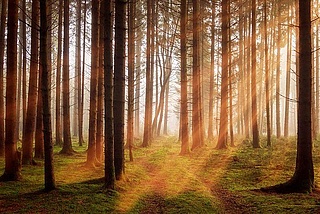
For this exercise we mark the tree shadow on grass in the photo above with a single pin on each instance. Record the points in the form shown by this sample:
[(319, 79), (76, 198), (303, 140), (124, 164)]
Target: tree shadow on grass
[(83, 197), (185, 202)]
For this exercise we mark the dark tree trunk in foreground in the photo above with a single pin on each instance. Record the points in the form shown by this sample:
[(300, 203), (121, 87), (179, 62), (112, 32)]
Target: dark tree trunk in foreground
[(30, 124), (223, 128), (303, 177), (184, 82), (2, 34), (44, 52), (108, 97), (119, 86), (12, 169), (67, 144)]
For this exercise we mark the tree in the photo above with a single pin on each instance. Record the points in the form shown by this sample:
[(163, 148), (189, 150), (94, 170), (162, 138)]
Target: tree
[(119, 86), (2, 34), (303, 177), (223, 128), (196, 93), (147, 131), (91, 153), (184, 82), (12, 169), (255, 130), (44, 52), (30, 124), (58, 77), (108, 98), (131, 70), (266, 60), (67, 144)]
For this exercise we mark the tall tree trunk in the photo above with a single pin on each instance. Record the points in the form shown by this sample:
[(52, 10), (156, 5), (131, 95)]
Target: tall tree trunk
[(119, 87), (99, 137), (148, 95), (255, 130), (266, 61), (230, 79), (44, 60), (67, 144), (137, 88), (131, 66), (77, 79), (58, 78), (29, 130), (24, 64), (212, 70), (39, 141), (108, 97), (196, 135), (2, 35), (184, 81), (12, 169), (278, 128), (223, 128), (303, 177), (91, 152), (81, 107)]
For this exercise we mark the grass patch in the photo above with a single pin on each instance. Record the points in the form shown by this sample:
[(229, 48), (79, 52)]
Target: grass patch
[(161, 181)]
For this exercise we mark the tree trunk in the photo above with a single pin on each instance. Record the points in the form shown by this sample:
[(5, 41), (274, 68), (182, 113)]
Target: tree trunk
[(266, 61), (148, 95), (30, 126), (2, 35), (303, 177), (223, 128), (91, 152), (119, 87), (212, 70), (12, 171), (255, 130), (58, 78), (44, 60), (67, 144), (278, 128), (131, 65), (196, 108), (184, 81), (108, 97), (99, 137)]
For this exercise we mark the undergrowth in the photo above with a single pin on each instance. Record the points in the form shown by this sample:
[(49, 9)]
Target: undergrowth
[(161, 181)]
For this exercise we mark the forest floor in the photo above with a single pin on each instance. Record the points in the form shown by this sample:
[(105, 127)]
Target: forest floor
[(161, 181)]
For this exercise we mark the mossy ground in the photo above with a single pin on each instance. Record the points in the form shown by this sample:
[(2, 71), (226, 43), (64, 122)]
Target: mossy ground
[(161, 181)]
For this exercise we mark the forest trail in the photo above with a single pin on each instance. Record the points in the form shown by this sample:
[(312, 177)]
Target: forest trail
[(168, 175)]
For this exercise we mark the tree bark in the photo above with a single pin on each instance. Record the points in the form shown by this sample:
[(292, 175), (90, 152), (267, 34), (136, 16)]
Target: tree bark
[(12, 171), (2, 47), (44, 60), (108, 91), (30, 126)]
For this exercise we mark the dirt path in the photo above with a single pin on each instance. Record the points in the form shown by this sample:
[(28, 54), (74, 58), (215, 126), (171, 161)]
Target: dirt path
[(171, 175)]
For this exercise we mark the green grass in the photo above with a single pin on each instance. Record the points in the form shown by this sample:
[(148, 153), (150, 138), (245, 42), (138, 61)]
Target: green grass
[(161, 181)]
